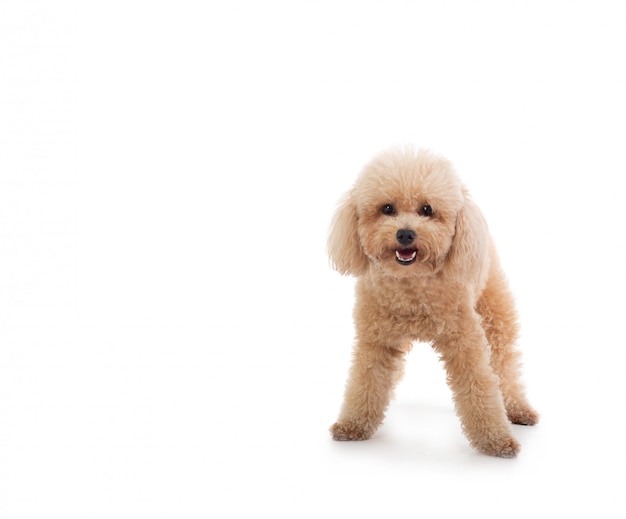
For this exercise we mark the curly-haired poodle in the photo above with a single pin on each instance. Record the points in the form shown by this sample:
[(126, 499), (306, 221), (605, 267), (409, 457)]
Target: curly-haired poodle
[(427, 271)]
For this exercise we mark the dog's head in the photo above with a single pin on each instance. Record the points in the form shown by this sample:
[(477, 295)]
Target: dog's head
[(407, 215)]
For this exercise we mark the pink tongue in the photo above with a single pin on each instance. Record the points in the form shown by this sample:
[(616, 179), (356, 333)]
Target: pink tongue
[(405, 253)]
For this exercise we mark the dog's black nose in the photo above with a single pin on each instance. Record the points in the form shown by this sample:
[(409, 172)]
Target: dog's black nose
[(405, 236)]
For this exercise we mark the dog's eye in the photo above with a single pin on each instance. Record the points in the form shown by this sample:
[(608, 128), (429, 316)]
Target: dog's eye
[(388, 209), (426, 210)]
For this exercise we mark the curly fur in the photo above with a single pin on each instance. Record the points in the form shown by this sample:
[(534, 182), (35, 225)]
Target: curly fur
[(445, 287)]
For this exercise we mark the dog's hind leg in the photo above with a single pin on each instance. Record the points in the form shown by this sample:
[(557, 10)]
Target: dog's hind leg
[(499, 320)]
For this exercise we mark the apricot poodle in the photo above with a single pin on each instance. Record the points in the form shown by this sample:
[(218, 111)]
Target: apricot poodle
[(427, 271)]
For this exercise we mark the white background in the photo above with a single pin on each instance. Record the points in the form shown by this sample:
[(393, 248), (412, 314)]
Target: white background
[(173, 342)]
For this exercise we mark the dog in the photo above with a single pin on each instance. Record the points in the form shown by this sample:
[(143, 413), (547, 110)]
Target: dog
[(427, 270)]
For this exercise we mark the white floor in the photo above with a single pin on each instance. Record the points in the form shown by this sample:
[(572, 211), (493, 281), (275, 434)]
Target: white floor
[(173, 342), (186, 423)]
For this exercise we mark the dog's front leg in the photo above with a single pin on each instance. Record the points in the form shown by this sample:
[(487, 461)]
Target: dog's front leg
[(375, 370), (465, 352)]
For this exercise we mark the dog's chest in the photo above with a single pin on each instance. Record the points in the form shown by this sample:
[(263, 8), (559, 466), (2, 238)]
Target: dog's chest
[(410, 308)]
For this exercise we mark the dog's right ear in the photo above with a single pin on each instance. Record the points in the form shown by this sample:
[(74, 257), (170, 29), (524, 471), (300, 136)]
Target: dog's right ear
[(344, 245)]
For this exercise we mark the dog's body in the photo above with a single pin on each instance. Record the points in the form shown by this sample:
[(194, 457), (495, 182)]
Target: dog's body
[(427, 271)]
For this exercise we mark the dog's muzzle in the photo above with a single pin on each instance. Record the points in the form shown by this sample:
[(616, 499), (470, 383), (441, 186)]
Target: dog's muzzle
[(406, 256)]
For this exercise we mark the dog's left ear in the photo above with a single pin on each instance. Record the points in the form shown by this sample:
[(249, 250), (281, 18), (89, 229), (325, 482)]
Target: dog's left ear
[(470, 243)]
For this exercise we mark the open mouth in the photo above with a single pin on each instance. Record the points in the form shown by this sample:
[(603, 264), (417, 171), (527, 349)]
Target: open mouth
[(406, 256)]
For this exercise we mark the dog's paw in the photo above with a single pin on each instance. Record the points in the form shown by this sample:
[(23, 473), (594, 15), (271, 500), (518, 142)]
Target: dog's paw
[(505, 447), (347, 431), (523, 416)]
